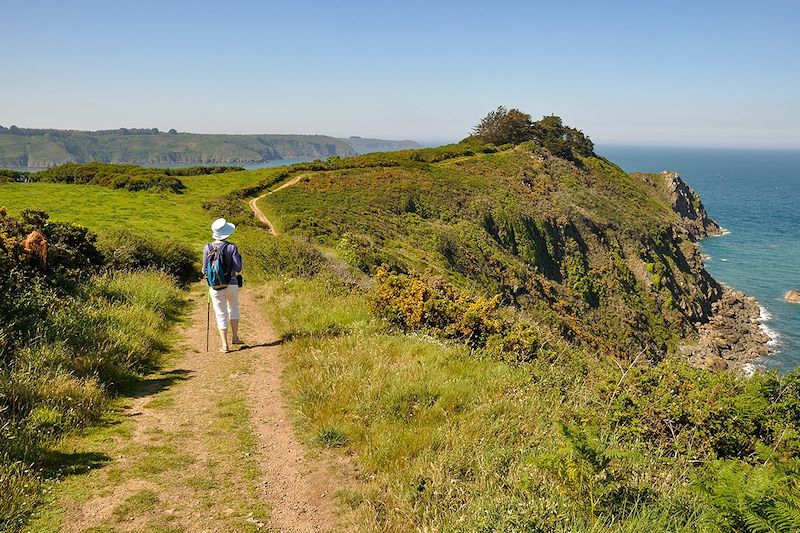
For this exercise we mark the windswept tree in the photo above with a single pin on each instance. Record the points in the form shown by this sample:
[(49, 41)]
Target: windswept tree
[(503, 126), (561, 140)]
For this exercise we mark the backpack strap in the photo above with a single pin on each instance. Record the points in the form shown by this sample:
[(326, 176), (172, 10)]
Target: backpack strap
[(225, 265)]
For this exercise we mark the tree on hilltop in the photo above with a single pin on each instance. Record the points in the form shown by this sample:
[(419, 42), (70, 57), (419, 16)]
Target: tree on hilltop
[(503, 126), (561, 140)]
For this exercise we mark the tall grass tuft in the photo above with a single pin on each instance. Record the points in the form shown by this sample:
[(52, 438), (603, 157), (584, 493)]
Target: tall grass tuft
[(84, 350), (124, 249)]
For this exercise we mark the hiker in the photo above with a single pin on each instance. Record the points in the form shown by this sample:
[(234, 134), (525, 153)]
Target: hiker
[(222, 266)]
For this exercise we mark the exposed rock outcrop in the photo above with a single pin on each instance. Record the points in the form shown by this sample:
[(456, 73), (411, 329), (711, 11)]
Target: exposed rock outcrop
[(732, 337), (792, 296), (729, 333), (684, 201)]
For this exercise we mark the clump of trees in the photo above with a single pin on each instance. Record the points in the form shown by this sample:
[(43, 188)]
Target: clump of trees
[(512, 126)]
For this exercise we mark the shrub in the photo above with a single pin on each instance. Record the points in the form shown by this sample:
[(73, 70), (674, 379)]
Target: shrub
[(7, 175), (128, 250), (41, 262), (520, 343), (129, 177), (413, 301), (284, 255)]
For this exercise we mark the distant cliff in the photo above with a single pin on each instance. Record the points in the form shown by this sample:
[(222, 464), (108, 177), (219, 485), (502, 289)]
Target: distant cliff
[(364, 146), (21, 147)]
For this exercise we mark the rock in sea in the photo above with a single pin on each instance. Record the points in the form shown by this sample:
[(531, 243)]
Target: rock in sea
[(793, 296)]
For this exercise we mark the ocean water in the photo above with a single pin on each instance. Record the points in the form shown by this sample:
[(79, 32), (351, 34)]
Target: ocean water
[(755, 195)]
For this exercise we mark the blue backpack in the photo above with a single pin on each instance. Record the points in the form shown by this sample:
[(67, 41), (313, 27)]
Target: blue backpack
[(217, 272)]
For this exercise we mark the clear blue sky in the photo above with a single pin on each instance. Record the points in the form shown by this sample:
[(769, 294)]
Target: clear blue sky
[(702, 73)]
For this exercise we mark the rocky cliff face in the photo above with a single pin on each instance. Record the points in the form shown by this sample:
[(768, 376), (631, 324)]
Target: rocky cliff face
[(729, 336), (684, 201)]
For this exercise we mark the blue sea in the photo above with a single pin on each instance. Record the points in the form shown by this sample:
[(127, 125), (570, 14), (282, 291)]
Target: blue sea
[(755, 195)]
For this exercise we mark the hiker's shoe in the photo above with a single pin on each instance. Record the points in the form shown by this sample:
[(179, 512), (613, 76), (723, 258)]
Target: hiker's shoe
[(224, 349), (238, 341)]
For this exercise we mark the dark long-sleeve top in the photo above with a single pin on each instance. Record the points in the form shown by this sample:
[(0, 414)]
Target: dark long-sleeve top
[(231, 257)]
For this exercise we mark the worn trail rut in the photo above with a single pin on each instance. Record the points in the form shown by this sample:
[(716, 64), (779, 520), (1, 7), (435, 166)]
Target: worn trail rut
[(260, 214)]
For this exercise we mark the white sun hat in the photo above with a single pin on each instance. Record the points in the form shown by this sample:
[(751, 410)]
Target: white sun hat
[(221, 229)]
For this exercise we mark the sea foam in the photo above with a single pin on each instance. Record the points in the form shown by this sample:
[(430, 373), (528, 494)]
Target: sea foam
[(774, 336)]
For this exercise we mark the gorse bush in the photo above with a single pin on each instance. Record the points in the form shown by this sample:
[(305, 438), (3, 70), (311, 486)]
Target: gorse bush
[(413, 301)]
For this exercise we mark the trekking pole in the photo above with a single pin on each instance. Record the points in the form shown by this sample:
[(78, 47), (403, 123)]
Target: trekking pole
[(208, 316)]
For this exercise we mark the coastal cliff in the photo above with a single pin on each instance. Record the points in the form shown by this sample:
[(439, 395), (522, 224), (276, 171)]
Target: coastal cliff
[(730, 336), (607, 259), (684, 201)]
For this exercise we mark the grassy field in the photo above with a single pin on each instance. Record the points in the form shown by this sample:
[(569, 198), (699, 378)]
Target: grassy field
[(170, 216)]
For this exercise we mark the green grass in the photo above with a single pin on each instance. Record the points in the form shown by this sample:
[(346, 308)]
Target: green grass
[(452, 439), (141, 502), (167, 216)]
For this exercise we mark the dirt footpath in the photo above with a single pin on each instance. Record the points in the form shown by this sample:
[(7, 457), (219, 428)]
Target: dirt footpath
[(206, 445), (260, 214)]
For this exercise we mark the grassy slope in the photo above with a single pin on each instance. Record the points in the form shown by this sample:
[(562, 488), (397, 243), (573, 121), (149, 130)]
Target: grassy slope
[(453, 439), (519, 223), (445, 440)]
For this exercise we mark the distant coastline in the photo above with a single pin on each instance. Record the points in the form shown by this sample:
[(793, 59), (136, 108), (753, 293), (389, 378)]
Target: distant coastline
[(27, 148)]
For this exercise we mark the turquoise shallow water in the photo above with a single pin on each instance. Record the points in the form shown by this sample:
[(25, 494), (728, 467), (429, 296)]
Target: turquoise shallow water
[(754, 194)]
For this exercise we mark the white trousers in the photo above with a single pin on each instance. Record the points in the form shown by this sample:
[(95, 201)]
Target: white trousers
[(226, 304)]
